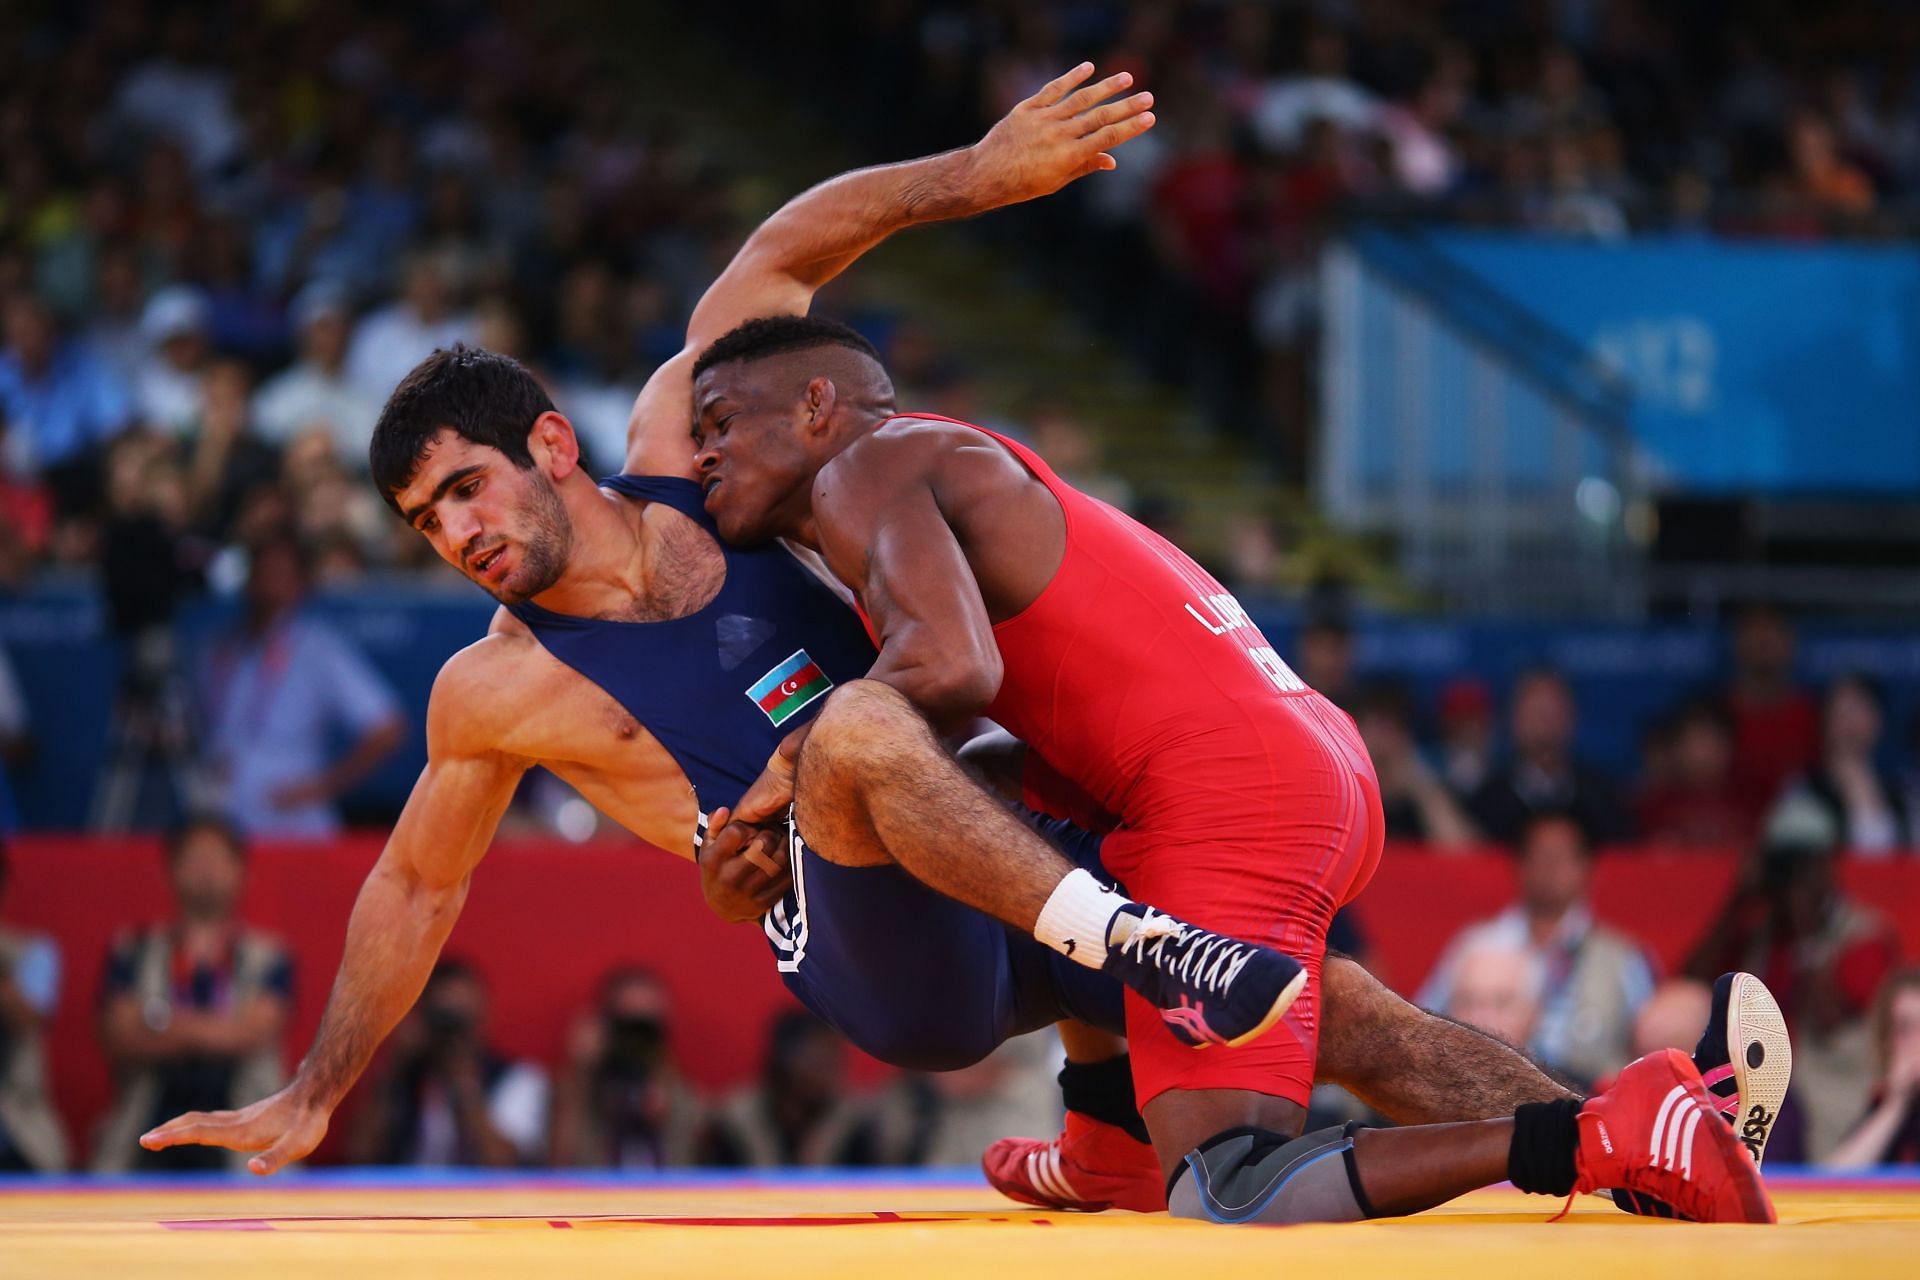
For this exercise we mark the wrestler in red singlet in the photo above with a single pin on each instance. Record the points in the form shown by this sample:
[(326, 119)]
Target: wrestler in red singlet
[(1244, 801)]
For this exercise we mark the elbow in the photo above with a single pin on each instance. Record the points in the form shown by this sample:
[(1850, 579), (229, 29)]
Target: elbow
[(959, 690)]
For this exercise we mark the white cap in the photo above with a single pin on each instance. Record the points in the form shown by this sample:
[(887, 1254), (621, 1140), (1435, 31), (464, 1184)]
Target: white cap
[(176, 311), (319, 299)]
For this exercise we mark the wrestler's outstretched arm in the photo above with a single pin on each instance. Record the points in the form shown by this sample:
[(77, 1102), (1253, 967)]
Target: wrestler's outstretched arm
[(1065, 131), (405, 911)]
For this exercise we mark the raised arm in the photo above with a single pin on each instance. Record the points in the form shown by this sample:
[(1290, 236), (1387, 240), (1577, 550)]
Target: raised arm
[(400, 921), (1065, 131)]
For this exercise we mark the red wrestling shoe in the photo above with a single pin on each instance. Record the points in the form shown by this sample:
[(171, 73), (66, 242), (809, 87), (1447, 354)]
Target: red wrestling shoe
[(1659, 1132), (1091, 1167)]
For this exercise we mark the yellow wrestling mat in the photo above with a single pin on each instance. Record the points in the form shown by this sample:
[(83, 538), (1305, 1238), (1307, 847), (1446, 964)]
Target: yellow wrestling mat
[(374, 1226)]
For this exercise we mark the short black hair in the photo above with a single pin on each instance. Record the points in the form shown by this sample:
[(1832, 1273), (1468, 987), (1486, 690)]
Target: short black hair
[(1554, 816), (477, 394), (196, 823), (454, 969), (777, 335)]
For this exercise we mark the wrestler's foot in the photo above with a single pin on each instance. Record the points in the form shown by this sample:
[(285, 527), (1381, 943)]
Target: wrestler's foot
[(1746, 1062), (1656, 1132), (1210, 989), (1091, 1167)]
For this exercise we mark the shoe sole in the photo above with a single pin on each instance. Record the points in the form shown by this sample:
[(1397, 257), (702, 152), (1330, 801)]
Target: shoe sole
[(1762, 1057), (1756, 1204), (1282, 1003)]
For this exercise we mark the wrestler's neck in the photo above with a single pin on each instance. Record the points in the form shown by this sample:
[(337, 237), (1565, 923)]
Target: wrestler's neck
[(614, 551), (794, 517)]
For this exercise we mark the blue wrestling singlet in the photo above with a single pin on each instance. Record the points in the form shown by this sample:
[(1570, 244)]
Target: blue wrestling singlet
[(909, 976)]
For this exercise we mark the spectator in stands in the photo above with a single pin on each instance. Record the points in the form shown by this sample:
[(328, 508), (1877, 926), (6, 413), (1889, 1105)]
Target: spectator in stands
[(800, 1113), (1697, 803), (1867, 804), (621, 1102), (390, 341), (16, 742), (271, 693), (61, 404), (226, 459), (315, 394), (1889, 1132), (119, 299), (1820, 175), (1821, 953), (1074, 452), (1466, 734), (1776, 727), (1326, 657), (1541, 773), (1418, 805), (1594, 979), (1496, 986), (442, 1095), (193, 1009), (31, 1138), (1673, 1017), (171, 390), (949, 1118)]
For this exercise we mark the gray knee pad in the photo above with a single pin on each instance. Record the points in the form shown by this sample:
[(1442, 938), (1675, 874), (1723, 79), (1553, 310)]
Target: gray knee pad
[(1255, 1175)]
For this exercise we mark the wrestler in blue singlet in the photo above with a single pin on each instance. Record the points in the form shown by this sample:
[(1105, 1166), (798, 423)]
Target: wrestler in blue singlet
[(909, 976)]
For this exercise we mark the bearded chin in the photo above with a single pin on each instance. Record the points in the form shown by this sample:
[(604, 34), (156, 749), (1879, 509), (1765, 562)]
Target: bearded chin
[(544, 554)]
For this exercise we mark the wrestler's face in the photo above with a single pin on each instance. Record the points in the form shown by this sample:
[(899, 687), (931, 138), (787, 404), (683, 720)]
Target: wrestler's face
[(502, 525), (750, 433)]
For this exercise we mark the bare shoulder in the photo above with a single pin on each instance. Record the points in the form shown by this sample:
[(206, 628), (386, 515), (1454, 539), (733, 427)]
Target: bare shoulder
[(486, 689), (897, 455)]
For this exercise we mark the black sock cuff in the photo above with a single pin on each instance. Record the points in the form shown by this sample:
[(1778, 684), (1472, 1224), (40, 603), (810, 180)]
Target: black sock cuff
[(1104, 1091), (1545, 1136), (1353, 1171)]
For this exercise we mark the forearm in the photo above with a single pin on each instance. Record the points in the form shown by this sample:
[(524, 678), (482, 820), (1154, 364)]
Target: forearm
[(1867, 1144), (814, 236), (951, 691), (363, 757), (398, 926)]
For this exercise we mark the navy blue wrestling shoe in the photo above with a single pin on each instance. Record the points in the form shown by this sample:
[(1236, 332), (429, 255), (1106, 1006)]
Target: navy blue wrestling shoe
[(1746, 1062), (1210, 989)]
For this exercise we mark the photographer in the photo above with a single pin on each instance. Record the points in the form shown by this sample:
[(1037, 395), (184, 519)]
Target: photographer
[(444, 1097), (193, 1008), (1823, 953), (30, 1133), (621, 1103)]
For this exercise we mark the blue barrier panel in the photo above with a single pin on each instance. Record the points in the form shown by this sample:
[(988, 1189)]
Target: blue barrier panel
[(1624, 675), (1754, 367)]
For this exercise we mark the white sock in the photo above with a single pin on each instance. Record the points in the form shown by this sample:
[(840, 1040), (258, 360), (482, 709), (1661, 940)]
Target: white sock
[(1074, 921)]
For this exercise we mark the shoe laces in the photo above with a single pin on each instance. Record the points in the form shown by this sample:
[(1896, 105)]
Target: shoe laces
[(1198, 957)]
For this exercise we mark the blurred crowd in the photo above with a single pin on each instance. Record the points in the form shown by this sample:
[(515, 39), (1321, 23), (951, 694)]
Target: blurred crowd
[(1714, 770), (227, 230), (1278, 118)]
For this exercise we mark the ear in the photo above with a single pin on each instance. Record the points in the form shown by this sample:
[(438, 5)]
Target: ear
[(555, 447), (821, 398)]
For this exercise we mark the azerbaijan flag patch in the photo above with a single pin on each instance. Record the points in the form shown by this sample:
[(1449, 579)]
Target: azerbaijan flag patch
[(789, 687)]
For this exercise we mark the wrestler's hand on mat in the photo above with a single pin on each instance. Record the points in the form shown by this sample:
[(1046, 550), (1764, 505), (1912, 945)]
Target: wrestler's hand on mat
[(283, 1127), (1063, 132), (744, 867)]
